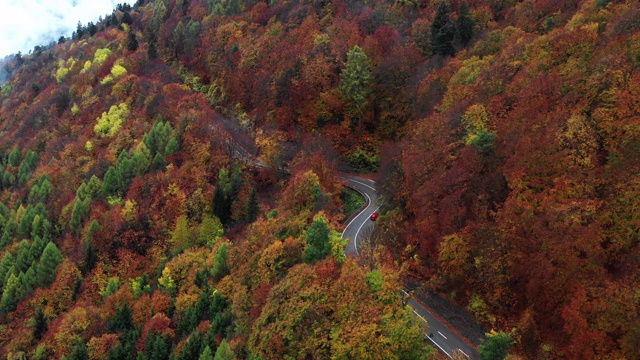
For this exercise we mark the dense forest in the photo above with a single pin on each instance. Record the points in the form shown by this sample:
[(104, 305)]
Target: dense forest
[(170, 186)]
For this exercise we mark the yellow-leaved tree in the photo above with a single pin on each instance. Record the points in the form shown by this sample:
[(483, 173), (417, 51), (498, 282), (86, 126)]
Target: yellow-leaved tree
[(110, 122)]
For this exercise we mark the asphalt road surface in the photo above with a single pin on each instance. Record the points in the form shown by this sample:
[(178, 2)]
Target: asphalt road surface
[(361, 224), (439, 333)]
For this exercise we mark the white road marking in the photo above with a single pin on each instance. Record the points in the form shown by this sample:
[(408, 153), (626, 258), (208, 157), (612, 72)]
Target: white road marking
[(355, 240), (427, 335), (440, 347), (369, 203), (363, 184), (420, 316)]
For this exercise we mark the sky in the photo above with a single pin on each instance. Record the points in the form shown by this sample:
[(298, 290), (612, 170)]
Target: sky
[(27, 23)]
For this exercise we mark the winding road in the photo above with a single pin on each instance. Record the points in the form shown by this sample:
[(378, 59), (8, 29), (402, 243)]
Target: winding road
[(440, 334)]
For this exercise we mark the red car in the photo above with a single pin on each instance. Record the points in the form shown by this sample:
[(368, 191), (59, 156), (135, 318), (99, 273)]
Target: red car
[(374, 216)]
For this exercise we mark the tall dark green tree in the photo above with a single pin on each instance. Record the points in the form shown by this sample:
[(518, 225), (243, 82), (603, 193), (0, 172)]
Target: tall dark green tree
[(111, 185), (49, 261), (224, 352), (79, 350), (223, 197), (14, 157), (126, 19), (207, 354), (152, 49), (80, 212), (92, 28), (220, 267), (464, 24), (122, 320), (253, 206), (40, 324), (356, 80), (11, 293), (132, 41), (443, 31), (192, 348), (8, 260), (80, 30)]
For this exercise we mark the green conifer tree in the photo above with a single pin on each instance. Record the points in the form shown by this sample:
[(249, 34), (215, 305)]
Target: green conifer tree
[(49, 261), (356, 80), (10, 294), (443, 31), (111, 186), (5, 266), (172, 146), (207, 354), (253, 206), (23, 258), (220, 267), (40, 324), (132, 41), (464, 24), (158, 162), (224, 352), (80, 212)]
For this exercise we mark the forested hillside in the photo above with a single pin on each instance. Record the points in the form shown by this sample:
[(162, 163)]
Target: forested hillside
[(144, 213)]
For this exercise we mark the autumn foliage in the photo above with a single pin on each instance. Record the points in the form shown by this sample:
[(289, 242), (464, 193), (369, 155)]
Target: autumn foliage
[(170, 175)]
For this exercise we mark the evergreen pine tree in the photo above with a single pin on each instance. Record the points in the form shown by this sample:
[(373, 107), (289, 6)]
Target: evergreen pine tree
[(23, 258), (90, 258), (464, 24), (206, 354), (111, 185), (5, 265), (49, 261), (224, 352), (10, 294), (152, 49), (132, 41), (40, 324), (126, 19), (92, 28), (36, 248), (220, 267), (29, 279), (80, 212), (253, 206), (220, 207), (122, 320), (79, 31), (79, 350), (172, 146), (192, 348), (158, 162), (443, 31), (356, 80), (14, 157)]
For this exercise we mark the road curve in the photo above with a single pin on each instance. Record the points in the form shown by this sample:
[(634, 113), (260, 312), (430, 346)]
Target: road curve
[(360, 224), (439, 333)]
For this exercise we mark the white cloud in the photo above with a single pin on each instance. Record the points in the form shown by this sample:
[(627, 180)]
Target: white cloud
[(27, 23)]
